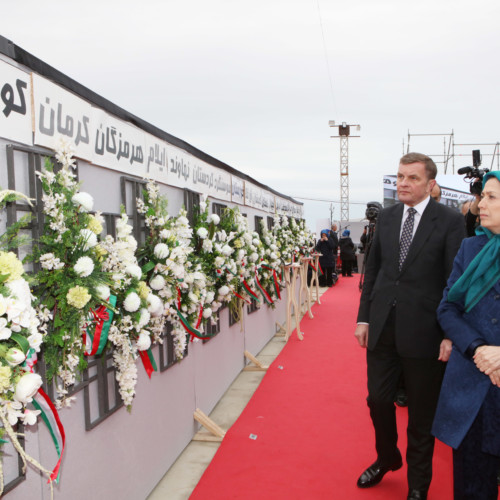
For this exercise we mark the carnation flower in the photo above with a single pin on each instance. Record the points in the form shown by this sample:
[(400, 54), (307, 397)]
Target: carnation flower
[(78, 296), (144, 318), (209, 297), (207, 312), (132, 302), (161, 251), (158, 282), (202, 233), (84, 201), (10, 266), (144, 341), (134, 270), (89, 239), (164, 234), (207, 245), (84, 266), (223, 290), (143, 290), (214, 218), (27, 387), (219, 261), (155, 305), (95, 225), (227, 250), (5, 374), (103, 292)]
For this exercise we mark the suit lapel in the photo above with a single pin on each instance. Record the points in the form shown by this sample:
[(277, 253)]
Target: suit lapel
[(394, 234), (424, 230)]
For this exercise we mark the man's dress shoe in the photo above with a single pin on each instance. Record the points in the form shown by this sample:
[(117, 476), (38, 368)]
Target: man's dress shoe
[(374, 474), (417, 495)]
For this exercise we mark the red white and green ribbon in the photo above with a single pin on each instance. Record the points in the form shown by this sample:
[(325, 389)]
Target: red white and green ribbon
[(96, 341), (250, 291), (148, 361), (188, 327), (263, 291), (275, 280), (49, 415)]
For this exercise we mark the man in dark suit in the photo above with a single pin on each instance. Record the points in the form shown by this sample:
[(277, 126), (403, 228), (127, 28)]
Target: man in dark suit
[(335, 239), (410, 259)]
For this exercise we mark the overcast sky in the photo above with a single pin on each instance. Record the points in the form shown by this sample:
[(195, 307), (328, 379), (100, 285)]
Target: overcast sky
[(254, 84)]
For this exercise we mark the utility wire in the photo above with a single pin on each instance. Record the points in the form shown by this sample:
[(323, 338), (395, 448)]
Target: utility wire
[(329, 201), (326, 58)]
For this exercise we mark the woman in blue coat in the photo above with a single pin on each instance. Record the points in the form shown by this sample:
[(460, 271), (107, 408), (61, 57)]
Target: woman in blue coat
[(468, 413)]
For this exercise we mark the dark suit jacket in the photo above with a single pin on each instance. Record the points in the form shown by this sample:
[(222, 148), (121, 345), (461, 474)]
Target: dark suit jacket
[(417, 289), (465, 389)]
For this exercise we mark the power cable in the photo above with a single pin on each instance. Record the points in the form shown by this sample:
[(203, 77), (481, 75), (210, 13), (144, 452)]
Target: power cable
[(326, 58)]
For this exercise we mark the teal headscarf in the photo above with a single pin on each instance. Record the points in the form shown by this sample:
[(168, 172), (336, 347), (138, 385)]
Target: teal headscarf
[(484, 270)]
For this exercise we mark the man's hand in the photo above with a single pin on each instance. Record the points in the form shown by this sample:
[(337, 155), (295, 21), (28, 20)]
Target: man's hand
[(487, 358), (361, 334), (445, 350)]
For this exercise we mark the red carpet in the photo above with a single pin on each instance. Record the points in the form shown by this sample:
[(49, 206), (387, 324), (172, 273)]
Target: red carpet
[(309, 415)]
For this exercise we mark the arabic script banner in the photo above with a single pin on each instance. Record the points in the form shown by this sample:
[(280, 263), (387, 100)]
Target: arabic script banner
[(15, 112)]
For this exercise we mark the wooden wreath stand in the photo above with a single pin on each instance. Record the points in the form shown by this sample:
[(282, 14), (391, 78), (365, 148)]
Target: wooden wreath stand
[(304, 289), (290, 272), (314, 286)]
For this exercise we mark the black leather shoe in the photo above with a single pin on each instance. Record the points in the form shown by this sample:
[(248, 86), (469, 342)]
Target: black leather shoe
[(401, 398), (417, 495), (374, 474)]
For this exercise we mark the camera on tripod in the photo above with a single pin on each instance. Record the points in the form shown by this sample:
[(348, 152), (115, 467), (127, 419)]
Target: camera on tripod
[(474, 173), (372, 210)]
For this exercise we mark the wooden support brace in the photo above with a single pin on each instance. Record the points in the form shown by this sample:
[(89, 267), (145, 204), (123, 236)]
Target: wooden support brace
[(257, 365), (216, 433), (281, 332)]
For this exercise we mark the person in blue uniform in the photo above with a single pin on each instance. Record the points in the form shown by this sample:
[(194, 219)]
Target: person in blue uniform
[(468, 412)]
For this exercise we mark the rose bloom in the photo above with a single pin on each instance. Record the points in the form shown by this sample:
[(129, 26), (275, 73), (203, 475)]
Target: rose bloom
[(27, 387), (207, 312), (15, 356)]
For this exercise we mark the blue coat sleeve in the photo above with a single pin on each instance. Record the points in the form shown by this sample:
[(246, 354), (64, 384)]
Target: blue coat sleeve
[(450, 314)]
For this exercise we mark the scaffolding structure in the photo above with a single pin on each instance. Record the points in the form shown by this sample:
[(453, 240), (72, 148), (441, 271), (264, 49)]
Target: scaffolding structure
[(452, 150), (344, 134)]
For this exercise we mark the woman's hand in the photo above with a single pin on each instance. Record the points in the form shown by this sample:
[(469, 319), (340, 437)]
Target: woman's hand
[(495, 378), (487, 359)]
